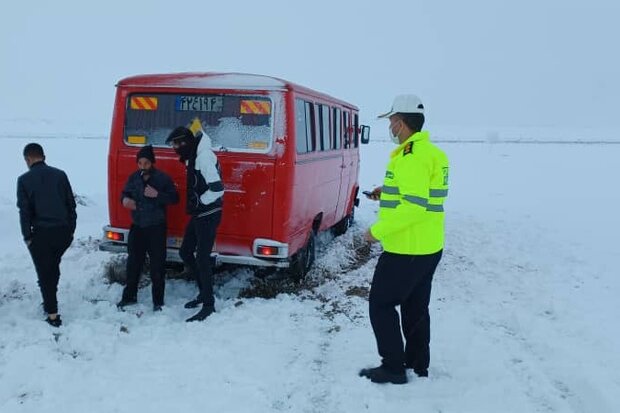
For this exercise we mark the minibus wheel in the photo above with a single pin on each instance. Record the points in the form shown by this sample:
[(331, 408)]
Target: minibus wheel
[(303, 260), (344, 225)]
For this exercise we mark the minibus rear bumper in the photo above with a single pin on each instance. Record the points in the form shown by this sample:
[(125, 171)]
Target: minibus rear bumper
[(115, 241)]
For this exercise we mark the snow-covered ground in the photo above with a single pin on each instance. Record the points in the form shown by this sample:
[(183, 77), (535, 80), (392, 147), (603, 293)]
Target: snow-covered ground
[(524, 306)]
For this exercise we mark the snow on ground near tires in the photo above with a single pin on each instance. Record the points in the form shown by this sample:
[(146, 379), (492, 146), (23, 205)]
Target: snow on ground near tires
[(524, 306)]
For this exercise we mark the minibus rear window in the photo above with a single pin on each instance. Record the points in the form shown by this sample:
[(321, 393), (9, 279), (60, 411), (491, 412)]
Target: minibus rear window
[(234, 123)]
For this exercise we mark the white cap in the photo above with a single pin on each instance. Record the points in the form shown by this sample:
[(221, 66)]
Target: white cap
[(405, 104)]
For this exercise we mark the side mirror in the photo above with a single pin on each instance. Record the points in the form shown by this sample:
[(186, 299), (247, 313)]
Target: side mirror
[(365, 134)]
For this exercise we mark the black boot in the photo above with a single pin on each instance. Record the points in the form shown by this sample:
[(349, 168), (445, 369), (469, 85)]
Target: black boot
[(193, 304), (57, 322), (420, 372), (126, 302), (382, 375), (202, 314)]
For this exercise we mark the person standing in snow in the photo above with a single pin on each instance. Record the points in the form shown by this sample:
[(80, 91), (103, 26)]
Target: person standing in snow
[(147, 193), (47, 217), (204, 204), (410, 228)]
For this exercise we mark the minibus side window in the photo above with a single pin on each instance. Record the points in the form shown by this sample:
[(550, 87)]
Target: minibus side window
[(301, 130), (356, 130), (325, 135), (317, 127), (346, 128), (337, 128), (310, 127)]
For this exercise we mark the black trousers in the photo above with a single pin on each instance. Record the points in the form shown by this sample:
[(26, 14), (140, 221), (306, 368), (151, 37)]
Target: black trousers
[(47, 247), (199, 238), (405, 281), (143, 240)]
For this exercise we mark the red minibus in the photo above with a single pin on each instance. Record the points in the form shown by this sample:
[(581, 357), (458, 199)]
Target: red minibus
[(289, 159)]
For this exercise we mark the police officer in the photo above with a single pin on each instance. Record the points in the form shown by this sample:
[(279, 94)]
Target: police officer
[(204, 204), (410, 228), (47, 218), (147, 193)]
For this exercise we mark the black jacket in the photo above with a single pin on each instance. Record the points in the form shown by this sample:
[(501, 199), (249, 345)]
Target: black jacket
[(45, 200), (150, 211)]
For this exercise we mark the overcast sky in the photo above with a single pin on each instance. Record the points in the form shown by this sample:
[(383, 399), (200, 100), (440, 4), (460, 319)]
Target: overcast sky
[(474, 63)]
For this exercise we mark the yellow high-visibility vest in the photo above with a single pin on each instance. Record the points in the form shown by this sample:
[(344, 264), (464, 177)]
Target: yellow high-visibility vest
[(411, 214)]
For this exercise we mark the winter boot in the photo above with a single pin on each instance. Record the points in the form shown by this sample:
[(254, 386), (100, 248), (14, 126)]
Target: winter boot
[(202, 314), (126, 302), (418, 371), (382, 375), (57, 322), (193, 303)]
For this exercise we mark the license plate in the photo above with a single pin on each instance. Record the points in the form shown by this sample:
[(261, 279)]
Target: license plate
[(200, 103), (175, 242)]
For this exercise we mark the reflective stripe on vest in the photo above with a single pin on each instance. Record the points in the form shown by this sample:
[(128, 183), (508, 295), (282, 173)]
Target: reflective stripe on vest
[(438, 193), (388, 204), (390, 190), (416, 200), (433, 193)]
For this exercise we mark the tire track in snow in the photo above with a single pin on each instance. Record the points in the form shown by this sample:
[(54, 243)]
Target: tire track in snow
[(338, 257)]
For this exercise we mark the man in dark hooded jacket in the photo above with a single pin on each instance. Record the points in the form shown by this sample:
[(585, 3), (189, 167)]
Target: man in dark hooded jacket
[(147, 193), (204, 204)]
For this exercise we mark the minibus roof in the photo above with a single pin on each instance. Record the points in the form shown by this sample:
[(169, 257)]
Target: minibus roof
[(215, 80)]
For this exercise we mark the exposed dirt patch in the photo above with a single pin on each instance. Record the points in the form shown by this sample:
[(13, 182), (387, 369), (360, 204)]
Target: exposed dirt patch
[(357, 291)]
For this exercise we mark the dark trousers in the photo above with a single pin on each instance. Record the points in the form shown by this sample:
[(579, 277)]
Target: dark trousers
[(403, 280), (151, 240), (47, 247), (199, 238)]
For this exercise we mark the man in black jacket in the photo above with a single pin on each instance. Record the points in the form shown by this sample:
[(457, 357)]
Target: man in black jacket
[(204, 204), (47, 218), (147, 193)]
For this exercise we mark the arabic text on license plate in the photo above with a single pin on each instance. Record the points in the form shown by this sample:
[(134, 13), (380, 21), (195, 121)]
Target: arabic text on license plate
[(200, 103)]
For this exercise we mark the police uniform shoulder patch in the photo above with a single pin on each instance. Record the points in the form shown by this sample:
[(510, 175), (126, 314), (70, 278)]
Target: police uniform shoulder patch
[(408, 149)]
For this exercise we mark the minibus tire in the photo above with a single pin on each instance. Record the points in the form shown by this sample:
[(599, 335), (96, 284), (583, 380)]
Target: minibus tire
[(301, 263), (343, 226)]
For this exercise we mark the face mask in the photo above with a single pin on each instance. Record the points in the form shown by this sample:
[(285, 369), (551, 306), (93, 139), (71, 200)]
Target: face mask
[(184, 152), (394, 136)]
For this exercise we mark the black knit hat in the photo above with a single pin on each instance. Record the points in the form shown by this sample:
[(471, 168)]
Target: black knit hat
[(181, 133), (146, 152)]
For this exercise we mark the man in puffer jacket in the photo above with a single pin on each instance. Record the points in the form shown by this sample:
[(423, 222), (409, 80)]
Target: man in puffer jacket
[(204, 204)]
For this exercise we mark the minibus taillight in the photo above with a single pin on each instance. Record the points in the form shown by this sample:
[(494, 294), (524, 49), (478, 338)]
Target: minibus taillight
[(264, 250), (114, 236)]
